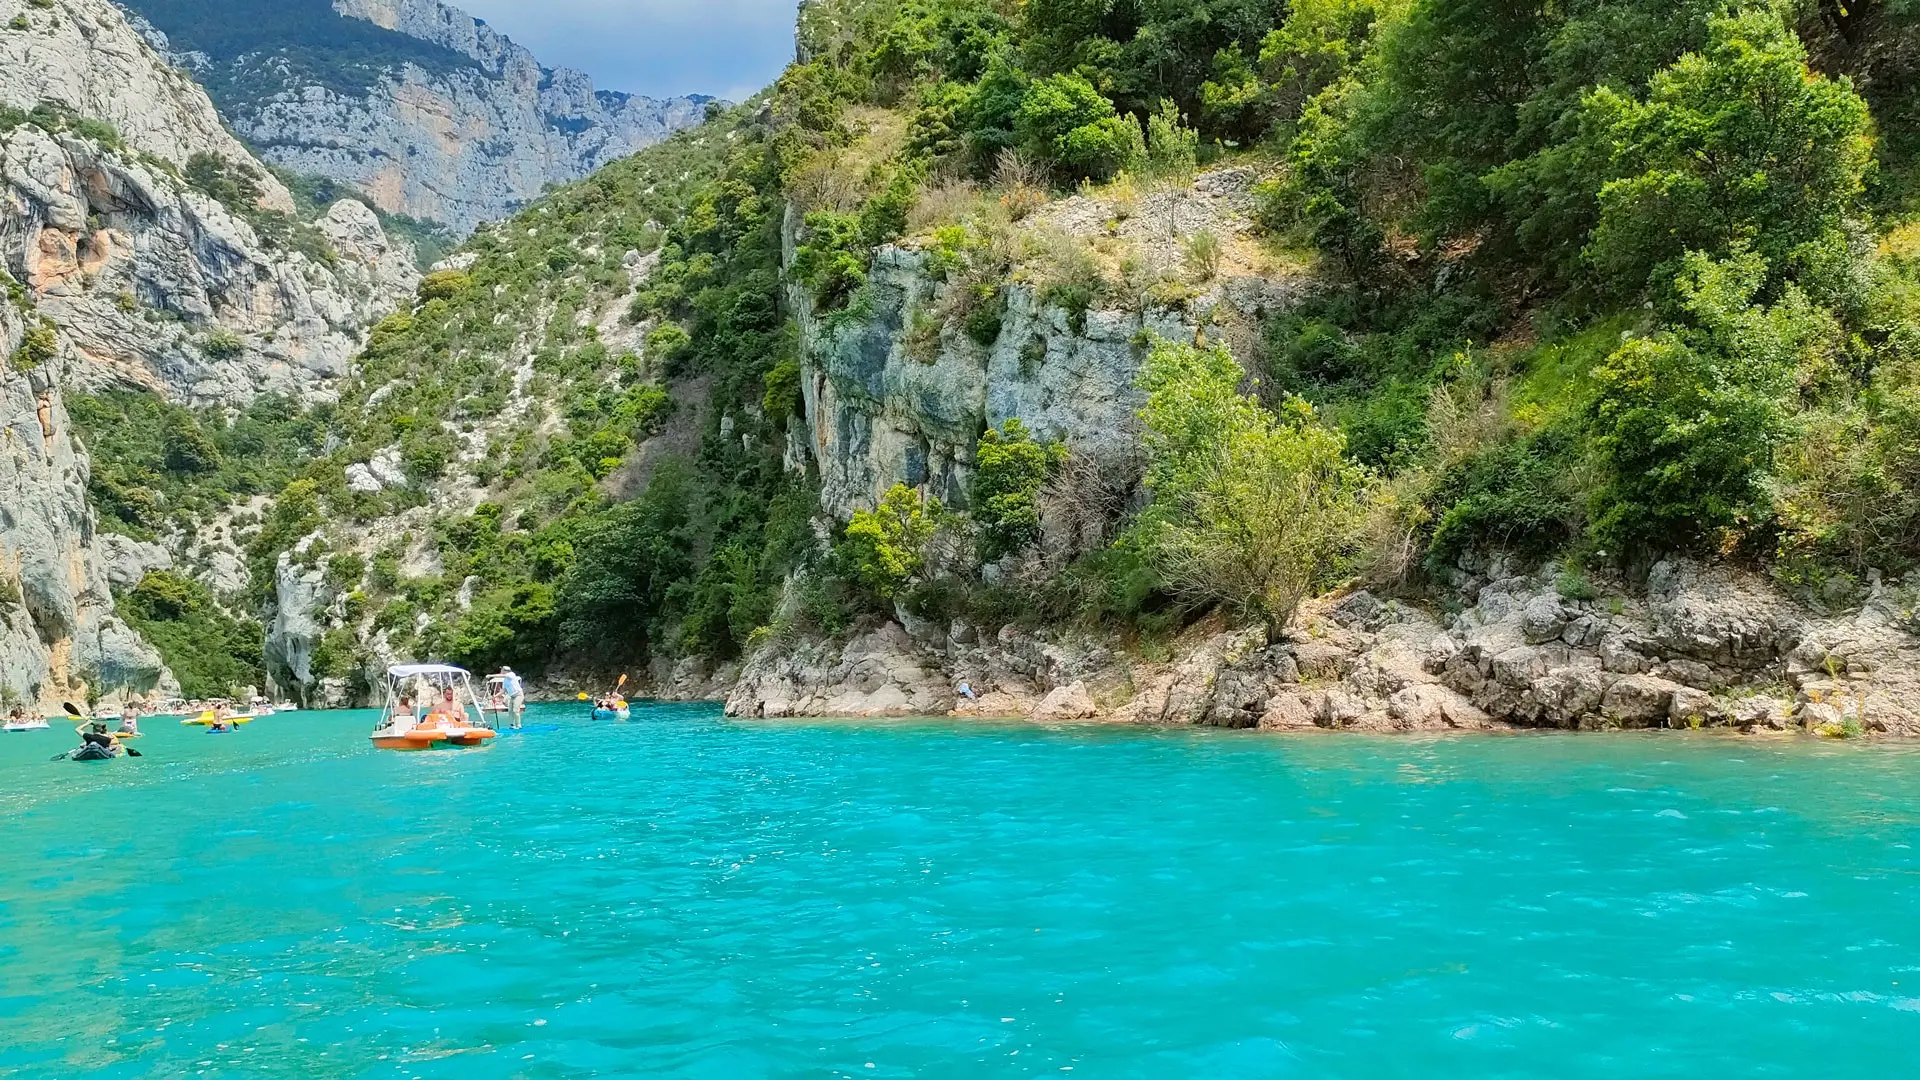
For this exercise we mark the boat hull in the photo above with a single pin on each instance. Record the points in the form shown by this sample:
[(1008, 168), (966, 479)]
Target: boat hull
[(433, 738)]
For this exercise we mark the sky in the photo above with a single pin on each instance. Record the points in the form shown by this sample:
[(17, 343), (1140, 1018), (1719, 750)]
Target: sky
[(660, 48)]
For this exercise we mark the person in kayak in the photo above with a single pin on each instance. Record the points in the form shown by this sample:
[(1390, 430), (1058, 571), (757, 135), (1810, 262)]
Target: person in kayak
[(94, 733)]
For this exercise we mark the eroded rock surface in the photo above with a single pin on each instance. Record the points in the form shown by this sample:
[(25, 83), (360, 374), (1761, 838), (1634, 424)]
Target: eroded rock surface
[(59, 637), (1700, 646)]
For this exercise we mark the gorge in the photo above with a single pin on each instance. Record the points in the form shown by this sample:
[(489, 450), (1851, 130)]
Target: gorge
[(906, 375)]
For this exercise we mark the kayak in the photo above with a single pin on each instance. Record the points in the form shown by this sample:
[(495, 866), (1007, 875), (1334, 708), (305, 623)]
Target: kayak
[(610, 714), (206, 720), (90, 752)]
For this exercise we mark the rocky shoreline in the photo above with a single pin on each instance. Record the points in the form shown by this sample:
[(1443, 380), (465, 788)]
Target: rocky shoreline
[(1695, 646)]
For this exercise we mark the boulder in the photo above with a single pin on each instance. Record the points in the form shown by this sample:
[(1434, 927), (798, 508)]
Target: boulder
[(1070, 702)]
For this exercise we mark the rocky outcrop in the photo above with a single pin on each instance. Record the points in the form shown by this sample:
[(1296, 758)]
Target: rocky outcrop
[(901, 394), (59, 638), (1698, 646), (157, 285), (83, 55), (300, 596), (458, 143), (1702, 646), (880, 673)]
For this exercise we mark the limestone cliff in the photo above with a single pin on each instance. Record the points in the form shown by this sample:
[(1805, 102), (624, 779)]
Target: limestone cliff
[(896, 392), (123, 269), (460, 136), (902, 393), (160, 286), (59, 638)]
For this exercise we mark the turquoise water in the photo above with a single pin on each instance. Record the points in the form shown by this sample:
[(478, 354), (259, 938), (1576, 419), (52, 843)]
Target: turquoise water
[(684, 896)]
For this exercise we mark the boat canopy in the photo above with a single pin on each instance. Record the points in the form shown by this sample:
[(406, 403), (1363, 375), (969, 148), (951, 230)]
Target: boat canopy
[(409, 671)]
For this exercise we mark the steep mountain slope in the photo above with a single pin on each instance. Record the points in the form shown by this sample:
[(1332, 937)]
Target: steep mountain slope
[(428, 111), (143, 248), (1449, 300)]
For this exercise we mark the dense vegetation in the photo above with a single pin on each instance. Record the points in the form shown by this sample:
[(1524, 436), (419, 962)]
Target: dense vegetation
[(159, 466), (1604, 280), (212, 652), (260, 49)]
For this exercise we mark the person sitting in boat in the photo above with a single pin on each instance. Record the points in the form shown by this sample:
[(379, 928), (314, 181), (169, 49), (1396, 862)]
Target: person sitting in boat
[(94, 733), (445, 711), (403, 708)]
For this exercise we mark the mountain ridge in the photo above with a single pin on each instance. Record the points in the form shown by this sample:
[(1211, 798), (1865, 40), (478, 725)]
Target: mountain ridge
[(426, 110)]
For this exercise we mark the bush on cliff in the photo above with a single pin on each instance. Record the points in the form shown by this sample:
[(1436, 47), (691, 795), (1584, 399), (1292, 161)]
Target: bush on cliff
[(1251, 510)]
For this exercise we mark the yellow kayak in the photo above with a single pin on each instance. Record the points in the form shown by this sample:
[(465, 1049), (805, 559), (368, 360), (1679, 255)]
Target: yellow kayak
[(206, 720)]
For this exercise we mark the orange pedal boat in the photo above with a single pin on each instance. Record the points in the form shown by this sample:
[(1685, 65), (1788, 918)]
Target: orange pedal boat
[(430, 706)]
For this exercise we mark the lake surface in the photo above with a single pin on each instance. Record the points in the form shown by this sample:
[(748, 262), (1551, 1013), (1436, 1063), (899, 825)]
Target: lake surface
[(686, 896)]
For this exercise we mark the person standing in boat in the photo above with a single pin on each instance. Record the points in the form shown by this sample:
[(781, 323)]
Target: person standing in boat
[(130, 720), (516, 694)]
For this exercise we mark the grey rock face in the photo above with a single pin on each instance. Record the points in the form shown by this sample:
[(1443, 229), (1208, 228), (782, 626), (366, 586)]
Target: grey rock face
[(59, 637), (156, 285), (299, 593), (85, 55), (458, 146), (882, 409), (125, 560)]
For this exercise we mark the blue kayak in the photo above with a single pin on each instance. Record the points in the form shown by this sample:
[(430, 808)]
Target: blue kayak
[(609, 714)]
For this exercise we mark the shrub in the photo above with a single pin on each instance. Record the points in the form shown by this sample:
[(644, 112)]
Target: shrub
[(667, 345), (832, 262), (886, 546), (1202, 254), (1010, 468), (39, 345), (1173, 149), (444, 284), (1065, 121), (1250, 510), (222, 344)]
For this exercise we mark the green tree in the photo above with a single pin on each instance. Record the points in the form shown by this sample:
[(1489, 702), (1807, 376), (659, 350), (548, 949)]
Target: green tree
[(1009, 470), (1251, 510), (189, 450), (1688, 420), (886, 546), (1065, 121), (1739, 143)]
